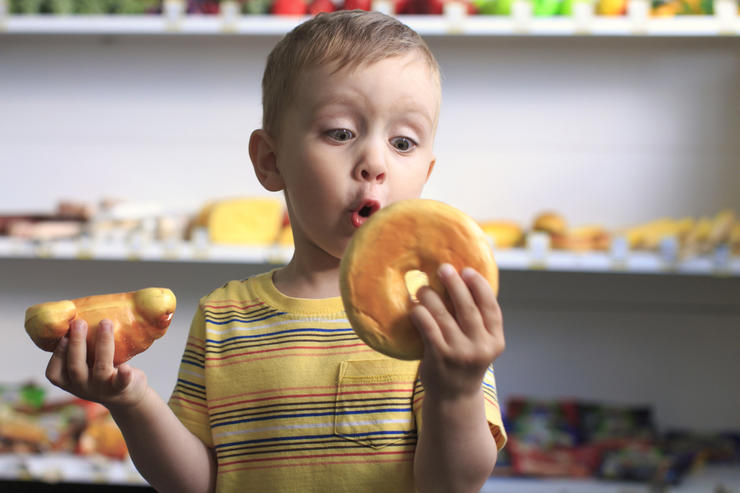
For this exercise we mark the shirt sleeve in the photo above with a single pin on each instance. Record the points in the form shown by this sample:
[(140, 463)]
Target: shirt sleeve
[(188, 399), (492, 409)]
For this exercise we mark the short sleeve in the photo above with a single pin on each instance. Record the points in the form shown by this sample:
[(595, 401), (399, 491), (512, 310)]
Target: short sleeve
[(490, 396), (188, 399), (493, 410)]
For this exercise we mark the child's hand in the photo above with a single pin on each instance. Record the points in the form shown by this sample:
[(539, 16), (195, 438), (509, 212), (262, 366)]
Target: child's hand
[(459, 345), (121, 386)]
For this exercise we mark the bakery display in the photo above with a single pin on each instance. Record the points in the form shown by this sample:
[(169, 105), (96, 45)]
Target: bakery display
[(562, 237), (504, 234), (139, 318), (411, 235), (257, 229), (241, 221)]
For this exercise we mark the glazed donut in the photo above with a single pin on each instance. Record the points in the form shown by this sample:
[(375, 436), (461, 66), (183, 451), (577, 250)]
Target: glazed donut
[(410, 235), (139, 318)]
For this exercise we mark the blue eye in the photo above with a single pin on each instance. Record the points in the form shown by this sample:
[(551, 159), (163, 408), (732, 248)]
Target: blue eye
[(403, 144), (340, 134)]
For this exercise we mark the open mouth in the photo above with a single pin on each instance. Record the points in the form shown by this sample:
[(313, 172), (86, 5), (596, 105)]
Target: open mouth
[(367, 209)]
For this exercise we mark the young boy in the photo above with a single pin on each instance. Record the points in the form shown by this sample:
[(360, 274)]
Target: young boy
[(275, 391)]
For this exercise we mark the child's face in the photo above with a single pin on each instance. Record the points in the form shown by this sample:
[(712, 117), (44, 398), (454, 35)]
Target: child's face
[(352, 142)]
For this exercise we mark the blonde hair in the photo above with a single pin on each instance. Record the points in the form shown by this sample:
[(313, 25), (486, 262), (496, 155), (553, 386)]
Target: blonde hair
[(347, 39)]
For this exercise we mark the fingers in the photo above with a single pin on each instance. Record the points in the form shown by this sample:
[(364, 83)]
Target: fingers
[(77, 370), (428, 328), (439, 314), (104, 349), (55, 371), (467, 311), (483, 297), (490, 311)]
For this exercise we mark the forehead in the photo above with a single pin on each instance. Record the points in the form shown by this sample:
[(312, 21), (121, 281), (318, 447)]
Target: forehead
[(406, 80)]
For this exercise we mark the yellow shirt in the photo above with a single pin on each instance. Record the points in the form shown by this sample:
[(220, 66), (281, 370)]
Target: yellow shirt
[(292, 400)]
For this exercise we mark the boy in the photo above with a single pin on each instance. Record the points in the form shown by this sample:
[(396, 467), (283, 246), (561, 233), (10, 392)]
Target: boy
[(275, 392)]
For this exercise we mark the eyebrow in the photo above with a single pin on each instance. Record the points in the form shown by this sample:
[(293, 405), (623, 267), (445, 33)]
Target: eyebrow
[(409, 109)]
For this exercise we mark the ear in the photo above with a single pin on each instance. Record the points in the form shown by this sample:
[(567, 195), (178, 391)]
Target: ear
[(264, 160), (431, 167)]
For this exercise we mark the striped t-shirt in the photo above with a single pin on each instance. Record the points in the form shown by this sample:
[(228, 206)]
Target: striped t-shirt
[(292, 400)]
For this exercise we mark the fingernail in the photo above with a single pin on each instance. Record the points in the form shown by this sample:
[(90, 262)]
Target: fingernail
[(78, 324), (446, 270), (467, 272)]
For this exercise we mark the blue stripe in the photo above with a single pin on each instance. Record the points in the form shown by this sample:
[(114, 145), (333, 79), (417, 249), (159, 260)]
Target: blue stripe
[(309, 437), (310, 415), (310, 329), (227, 321), (191, 383), (194, 363)]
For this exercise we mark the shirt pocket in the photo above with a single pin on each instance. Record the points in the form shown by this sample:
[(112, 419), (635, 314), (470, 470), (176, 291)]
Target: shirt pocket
[(374, 402)]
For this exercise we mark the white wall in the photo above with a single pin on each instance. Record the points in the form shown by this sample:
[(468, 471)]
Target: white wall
[(613, 130)]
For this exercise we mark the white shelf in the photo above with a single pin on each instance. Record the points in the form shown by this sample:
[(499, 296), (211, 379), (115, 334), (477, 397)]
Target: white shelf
[(478, 25), (706, 479), (68, 468), (509, 259)]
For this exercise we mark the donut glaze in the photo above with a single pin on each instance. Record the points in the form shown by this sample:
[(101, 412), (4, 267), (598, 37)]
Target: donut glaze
[(413, 234)]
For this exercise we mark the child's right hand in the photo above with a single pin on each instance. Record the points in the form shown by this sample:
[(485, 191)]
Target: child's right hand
[(122, 386)]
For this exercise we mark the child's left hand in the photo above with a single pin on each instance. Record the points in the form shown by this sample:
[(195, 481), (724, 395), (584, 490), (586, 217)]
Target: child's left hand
[(459, 345)]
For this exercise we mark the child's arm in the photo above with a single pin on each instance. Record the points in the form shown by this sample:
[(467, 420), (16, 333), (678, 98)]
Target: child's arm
[(166, 453), (456, 451)]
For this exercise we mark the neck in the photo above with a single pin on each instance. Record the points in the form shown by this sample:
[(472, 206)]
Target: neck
[(314, 278)]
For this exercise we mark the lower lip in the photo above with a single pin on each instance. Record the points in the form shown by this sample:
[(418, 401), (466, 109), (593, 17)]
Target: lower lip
[(357, 219)]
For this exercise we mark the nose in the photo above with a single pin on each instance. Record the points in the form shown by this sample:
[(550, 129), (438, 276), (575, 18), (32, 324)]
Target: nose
[(371, 165)]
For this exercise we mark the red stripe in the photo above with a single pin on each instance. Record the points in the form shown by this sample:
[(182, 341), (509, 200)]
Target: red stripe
[(296, 396), (280, 389), (198, 411), (175, 397), (341, 353), (199, 344), (303, 464)]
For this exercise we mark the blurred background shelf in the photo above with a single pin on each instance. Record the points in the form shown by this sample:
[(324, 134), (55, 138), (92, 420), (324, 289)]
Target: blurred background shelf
[(724, 479), (64, 472), (29, 472), (719, 264), (428, 25)]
